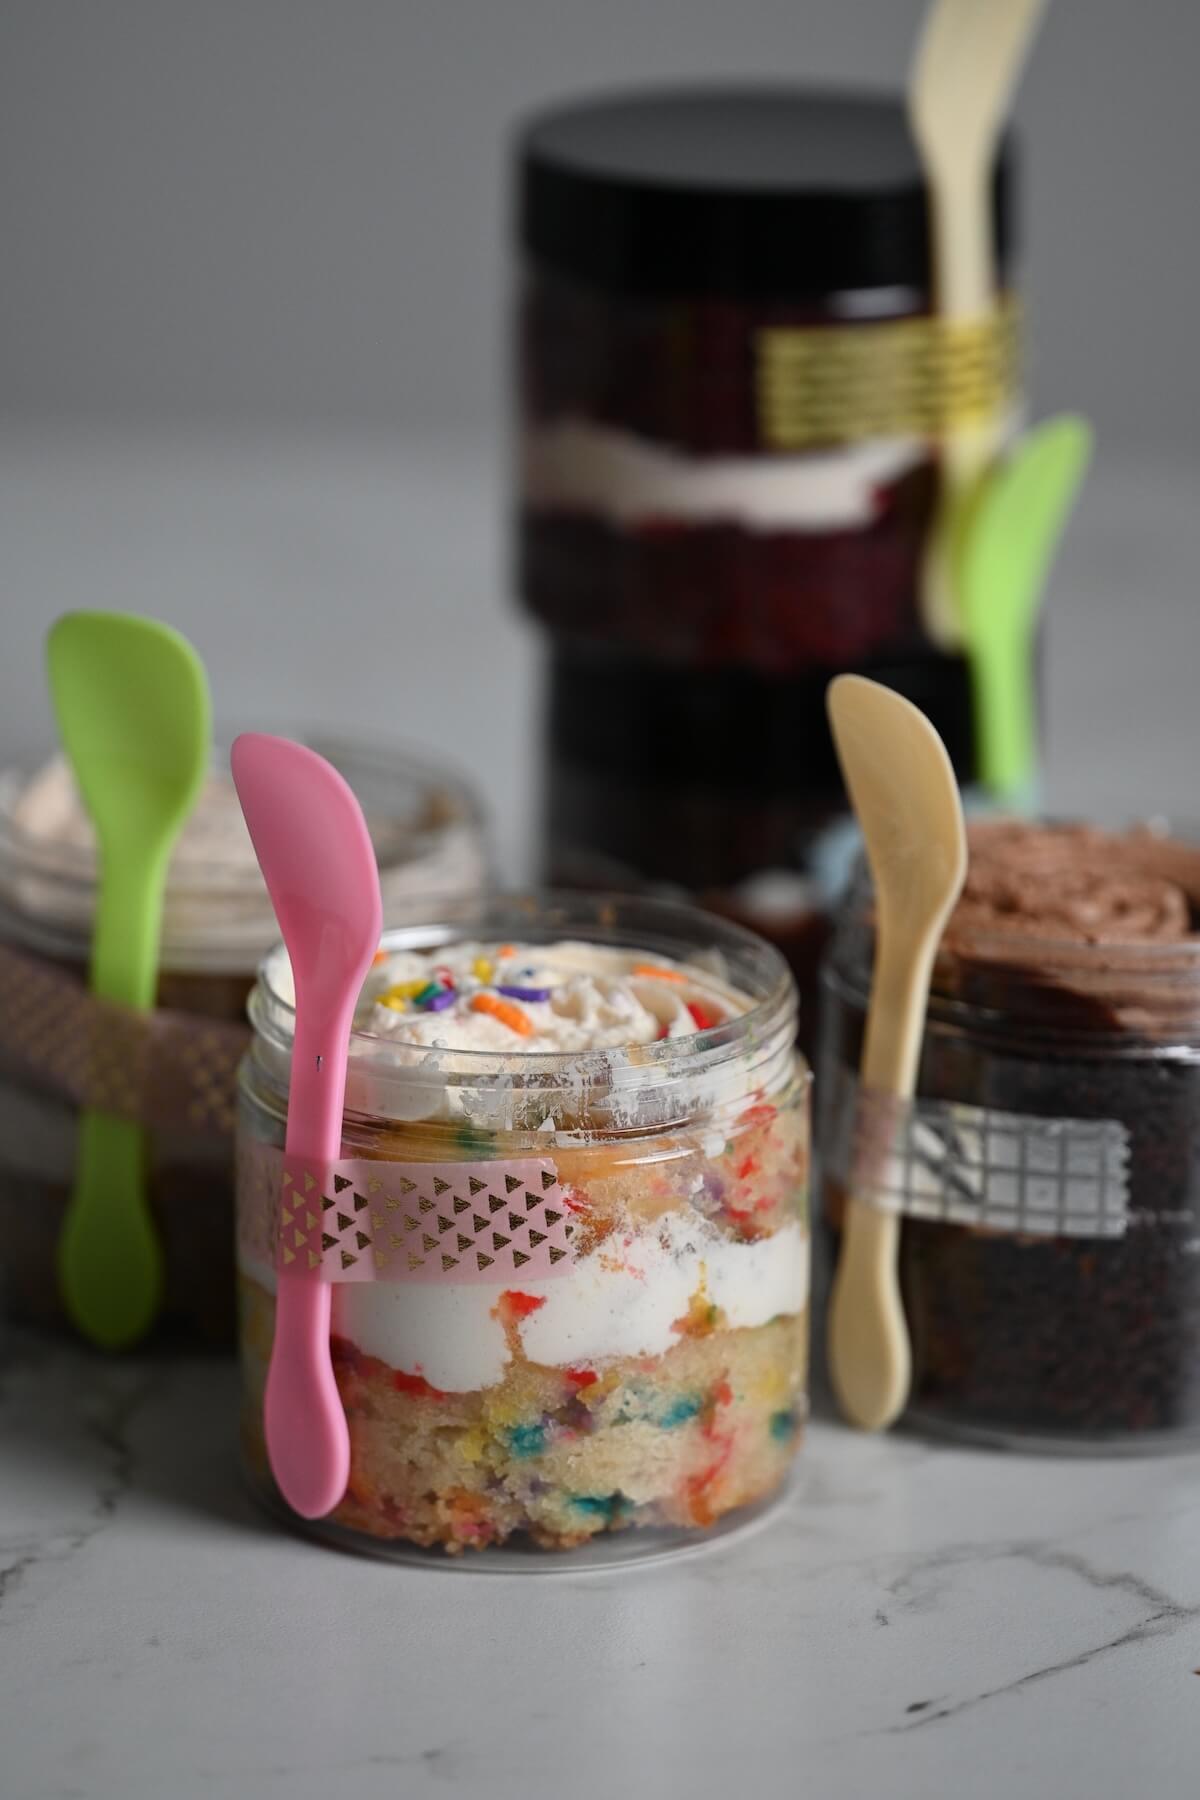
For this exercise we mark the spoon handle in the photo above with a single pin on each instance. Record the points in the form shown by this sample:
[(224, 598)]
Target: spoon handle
[(896, 1020), (110, 1264), (109, 1259), (308, 1440), (128, 924), (1006, 723), (870, 1360), (964, 459)]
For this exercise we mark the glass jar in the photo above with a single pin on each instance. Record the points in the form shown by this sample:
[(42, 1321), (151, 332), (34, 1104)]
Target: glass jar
[(570, 1290), (175, 1072), (1048, 1173), (731, 398)]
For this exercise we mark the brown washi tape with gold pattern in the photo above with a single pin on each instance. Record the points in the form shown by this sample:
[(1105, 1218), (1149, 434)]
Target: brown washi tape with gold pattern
[(166, 1070), (896, 378)]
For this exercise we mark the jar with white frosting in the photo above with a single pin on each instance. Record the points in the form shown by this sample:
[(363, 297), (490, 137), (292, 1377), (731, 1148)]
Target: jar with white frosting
[(567, 1235), (173, 1072), (732, 394)]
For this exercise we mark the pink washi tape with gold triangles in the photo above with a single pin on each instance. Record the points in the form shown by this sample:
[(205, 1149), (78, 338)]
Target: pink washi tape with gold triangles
[(359, 1219)]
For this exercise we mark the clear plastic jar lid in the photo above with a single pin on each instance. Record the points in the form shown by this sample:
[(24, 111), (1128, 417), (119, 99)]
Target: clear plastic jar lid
[(426, 823)]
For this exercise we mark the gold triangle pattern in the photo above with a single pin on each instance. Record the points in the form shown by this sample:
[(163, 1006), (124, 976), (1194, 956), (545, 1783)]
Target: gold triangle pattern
[(339, 1233)]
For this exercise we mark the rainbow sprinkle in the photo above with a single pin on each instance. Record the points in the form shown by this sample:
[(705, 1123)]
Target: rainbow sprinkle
[(506, 1011)]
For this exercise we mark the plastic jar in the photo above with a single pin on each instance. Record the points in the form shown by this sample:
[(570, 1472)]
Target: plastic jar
[(570, 1290), (175, 1071), (731, 396), (1048, 1174)]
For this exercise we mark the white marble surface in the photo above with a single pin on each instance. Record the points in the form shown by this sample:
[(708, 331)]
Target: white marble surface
[(917, 1622)]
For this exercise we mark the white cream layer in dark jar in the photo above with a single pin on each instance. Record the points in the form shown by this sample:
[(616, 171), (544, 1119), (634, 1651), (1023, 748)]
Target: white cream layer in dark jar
[(1049, 1175), (733, 387), (177, 1074), (576, 1133)]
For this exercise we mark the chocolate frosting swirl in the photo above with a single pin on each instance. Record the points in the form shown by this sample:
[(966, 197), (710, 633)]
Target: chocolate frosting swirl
[(1071, 927)]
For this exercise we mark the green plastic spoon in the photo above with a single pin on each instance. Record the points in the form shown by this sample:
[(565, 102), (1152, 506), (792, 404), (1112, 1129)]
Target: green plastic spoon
[(133, 709), (1008, 540)]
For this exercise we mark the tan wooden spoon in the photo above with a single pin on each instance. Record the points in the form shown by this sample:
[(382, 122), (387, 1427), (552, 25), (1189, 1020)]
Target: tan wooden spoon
[(906, 800), (964, 74)]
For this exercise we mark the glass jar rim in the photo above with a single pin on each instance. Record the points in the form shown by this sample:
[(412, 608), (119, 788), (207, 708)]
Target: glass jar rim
[(755, 1040), (54, 913)]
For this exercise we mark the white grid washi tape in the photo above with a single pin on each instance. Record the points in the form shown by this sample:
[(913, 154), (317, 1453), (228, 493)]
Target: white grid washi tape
[(981, 1167)]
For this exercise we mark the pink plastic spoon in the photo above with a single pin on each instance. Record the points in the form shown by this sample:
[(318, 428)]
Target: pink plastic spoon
[(317, 860)]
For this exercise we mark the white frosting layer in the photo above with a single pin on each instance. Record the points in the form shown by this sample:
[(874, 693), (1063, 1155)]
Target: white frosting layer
[(617, 1302), (513, 999), (616, 476), (50, 811)]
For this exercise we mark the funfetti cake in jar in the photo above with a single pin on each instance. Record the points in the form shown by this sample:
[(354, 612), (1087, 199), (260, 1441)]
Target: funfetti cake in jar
[(173, 1072), (567, 1235)]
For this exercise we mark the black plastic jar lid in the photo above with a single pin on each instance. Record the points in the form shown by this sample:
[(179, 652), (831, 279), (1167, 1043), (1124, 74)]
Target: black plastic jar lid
[(751, 193)]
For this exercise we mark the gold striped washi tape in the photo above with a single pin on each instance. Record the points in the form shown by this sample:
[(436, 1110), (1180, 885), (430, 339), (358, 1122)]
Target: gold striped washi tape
[(820, 385)]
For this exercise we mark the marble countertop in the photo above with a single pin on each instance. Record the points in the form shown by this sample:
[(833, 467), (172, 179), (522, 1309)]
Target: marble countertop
[(916, 1621)]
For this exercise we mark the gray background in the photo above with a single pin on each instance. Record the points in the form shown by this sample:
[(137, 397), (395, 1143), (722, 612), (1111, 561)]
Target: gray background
[(252, 327), (294, 210)]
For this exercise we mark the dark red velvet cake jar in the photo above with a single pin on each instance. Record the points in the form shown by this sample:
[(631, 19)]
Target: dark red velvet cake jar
[(731, 397)]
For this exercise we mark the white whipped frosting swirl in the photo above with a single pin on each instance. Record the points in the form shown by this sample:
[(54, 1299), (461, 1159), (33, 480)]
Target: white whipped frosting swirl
[(555, 998), (49, 810)]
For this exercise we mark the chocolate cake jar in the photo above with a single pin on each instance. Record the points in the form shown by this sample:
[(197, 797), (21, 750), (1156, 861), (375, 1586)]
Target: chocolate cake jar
[(1048, 1172), (731, 395)]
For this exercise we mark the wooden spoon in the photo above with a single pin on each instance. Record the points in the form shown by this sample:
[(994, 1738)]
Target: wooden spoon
[(906, 800), (133, 711), (966, 68)]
